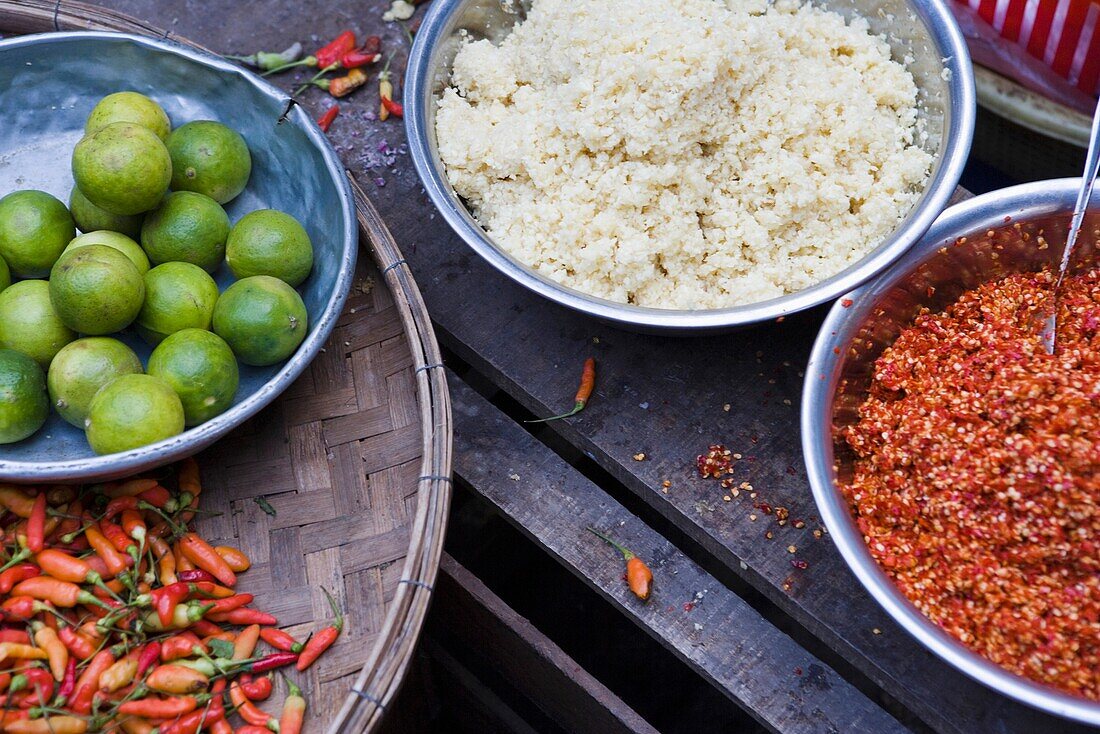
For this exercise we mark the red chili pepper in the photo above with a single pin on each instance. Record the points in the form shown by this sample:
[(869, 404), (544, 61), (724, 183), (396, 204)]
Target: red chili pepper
[(256, 689), (118, 504), (88, 683), (150, 655), (36, 524), (180, 646), (18, 636), (203, 628), (372, 45), (81, 646), (195, 575), (584, 392), (166, 598), (119, 539), (325, 121), (394, 108), (253, 729), (355, 59), (157, 496), (15, 574), (20, 608), (273, 661), (228, 604), (68, 683), (280, 640), (244, 616), (322, 640), (38, 687), (330, 53)]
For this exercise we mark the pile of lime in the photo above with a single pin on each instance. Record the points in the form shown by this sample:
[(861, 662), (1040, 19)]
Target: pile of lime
[(148, 200)]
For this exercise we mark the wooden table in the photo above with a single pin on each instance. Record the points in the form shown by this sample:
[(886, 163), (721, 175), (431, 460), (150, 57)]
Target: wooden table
[(798, 649)]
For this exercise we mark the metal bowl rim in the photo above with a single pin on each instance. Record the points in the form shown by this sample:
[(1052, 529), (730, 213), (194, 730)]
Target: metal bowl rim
[(980, 212), (198, 437), (961, 112)]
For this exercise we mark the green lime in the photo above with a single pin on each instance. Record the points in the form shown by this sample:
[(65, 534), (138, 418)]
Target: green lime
[(118, 241), (96, 290), (123, 168), (34, 229), (132, 411), (202, 370), (90, 218), (209, 158), (81, 368), (128, 107), (262, 318), (29, 323), (269, 242), (177, 296), (186, 227), (5, 275), (24, 406)]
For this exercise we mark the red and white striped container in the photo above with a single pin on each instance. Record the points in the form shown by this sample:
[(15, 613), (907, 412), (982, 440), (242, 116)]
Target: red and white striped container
[(1063, 34)]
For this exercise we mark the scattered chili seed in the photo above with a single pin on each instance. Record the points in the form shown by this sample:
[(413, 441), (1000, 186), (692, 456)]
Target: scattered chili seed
[(715, 463)]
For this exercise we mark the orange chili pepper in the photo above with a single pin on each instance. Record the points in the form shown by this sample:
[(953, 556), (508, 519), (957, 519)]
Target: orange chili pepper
[(134, 526), (176, 679), (252, 729), (294, 710), (248, 710), (162, 708), (166, 560), (59, 593), (245, 644), (584, 392), (638, 576), (48, 725), (138, 725), (116, 562), (120, 674), (234, 558), (36, 524), (56, 652), (183, 563), (203, 555), (16, 651), (322, 640), (16, 501), (129, 488)]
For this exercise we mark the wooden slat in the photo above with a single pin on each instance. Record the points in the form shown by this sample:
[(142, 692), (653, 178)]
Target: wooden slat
[(722, 637), (467, 611)]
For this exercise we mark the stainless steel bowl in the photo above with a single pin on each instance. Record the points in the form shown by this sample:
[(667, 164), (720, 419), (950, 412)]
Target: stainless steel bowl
[(922, 29), (933, 274), (48, 85)]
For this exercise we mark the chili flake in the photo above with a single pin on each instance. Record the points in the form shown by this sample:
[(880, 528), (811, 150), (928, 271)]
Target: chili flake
[(977, 482), (715, 462)]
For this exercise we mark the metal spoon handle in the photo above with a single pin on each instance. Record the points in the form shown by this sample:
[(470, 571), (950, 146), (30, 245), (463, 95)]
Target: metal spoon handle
[(1084, 194)]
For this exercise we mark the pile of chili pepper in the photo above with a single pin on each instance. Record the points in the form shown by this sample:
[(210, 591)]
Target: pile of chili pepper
[(116, 616)]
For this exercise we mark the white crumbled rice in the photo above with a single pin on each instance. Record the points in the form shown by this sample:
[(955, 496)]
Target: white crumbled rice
[(683, 155)]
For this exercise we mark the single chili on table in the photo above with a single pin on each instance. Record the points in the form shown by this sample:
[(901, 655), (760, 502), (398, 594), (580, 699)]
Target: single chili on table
[(584, 392), (638, 576)]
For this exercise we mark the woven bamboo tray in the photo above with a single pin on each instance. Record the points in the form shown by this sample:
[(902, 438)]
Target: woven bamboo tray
[(355, 459)]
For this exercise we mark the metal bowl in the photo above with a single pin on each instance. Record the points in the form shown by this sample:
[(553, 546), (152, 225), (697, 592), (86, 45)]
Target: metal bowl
[(933, 274), (922, 29), (48, 85)]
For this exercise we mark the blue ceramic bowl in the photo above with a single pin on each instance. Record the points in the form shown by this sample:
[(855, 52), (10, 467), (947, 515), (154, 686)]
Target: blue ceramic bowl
[(48, 85)]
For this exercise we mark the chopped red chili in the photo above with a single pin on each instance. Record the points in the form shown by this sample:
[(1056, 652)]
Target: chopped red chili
[(977, 478)]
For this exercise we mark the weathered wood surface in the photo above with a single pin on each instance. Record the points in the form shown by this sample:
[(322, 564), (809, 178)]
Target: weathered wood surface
[(660, 396), (554, 682), (705, 624)]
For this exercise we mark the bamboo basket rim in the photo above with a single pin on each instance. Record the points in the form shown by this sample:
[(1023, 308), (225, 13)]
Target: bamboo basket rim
[(385, 667)]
